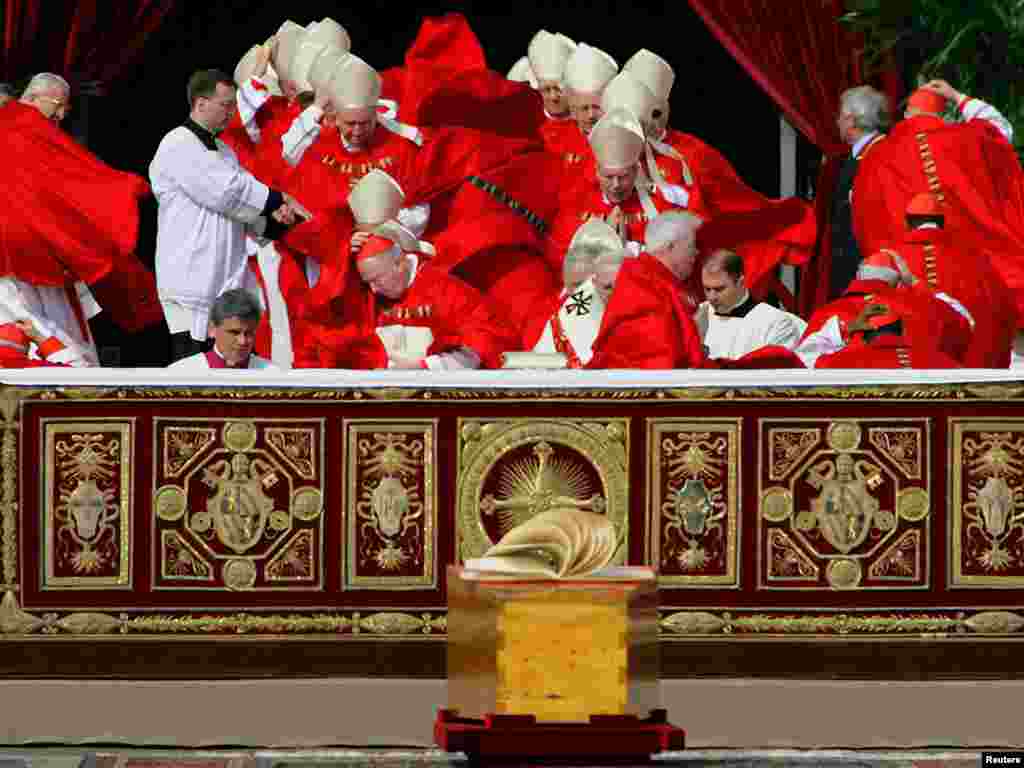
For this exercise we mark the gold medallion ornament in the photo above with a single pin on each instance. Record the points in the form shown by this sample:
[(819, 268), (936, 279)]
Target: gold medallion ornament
[(169, 503), (776, 504), (239, 574), (844, 436), (307, 503), (844, 574), (913, 504), (240, 436), (514, 470)]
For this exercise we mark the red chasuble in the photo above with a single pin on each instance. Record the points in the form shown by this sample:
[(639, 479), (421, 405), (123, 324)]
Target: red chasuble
[(564, 139), (445, 82), (68, 216), (971, 165), (946, 261), (646, 323), (457, 315), (935, 332), (499, 253), (765, 232)]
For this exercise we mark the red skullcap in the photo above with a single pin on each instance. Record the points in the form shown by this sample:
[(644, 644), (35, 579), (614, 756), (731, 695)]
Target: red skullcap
[(924, 204), (927, 101), (375, 245)]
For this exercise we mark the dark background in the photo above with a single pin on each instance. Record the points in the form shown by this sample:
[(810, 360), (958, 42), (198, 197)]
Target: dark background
[(713, 97)]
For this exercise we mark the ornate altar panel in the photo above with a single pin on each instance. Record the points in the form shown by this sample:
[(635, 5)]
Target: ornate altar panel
[(322, 508)]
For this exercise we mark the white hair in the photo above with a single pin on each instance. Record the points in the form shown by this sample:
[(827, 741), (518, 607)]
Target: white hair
[(668, 227), (43, 83), (868, 107)]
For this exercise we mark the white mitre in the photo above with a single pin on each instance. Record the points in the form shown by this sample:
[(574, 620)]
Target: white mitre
[(289, 37), (521, 72), (301, 64), (355, 85), (324, 66), (548, 55), (617, 140), (375, 199), (589, 69), (626, 92), (653, 71), (330, 33)]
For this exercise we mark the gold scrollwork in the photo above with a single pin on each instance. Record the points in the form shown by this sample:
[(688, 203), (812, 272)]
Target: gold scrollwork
[(989, 465), (87, 477), (789, 447), (296, 446), (901, 445), (184, 446), (542, 478), (391, 520), (693, 479)]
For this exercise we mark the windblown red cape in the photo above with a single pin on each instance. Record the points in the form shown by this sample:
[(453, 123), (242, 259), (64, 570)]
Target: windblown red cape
[(68, 216)]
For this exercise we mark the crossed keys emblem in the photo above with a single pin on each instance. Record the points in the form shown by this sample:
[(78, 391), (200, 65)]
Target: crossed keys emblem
[(579, 303), (537, 484)]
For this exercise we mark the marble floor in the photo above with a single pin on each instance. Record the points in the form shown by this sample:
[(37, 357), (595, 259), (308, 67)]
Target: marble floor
[(78, 757)]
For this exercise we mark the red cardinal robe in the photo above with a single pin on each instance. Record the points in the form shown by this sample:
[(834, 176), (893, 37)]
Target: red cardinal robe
[(945, 260), (971, 165), (647, 323), (931, 328), (445, 81), (68, 217)]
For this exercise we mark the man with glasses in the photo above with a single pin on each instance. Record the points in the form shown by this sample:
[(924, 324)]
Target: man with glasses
[(208, 204)]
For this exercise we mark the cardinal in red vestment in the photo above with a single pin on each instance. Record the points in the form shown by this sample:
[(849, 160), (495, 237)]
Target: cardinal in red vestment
[(971, 166), (421, 316), (880, 323), (937, 250), (69, 217), (17, 339)]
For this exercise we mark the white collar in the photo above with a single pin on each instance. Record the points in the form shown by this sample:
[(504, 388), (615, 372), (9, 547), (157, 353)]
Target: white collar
[(863, 141), (745, 297)]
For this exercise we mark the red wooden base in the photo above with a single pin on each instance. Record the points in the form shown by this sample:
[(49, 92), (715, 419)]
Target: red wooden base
[(605, 739)]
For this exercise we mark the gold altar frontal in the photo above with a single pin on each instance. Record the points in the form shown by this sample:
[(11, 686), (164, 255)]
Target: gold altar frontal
[(558, 650)]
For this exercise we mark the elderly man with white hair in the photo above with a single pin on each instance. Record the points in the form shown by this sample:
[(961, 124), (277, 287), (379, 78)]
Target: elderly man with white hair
[(862, 122), (648, 322)]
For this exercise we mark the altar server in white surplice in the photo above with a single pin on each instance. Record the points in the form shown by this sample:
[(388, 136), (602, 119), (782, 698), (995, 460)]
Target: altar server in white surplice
[(589, 271), (731, 322), (207, 205)]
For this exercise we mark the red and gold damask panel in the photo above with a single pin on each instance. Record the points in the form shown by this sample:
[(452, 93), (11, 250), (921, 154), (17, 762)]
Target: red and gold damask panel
[(986, 515), (693, 497), (391, 508), (844, 504), (87, 476), (511, 470), (238, 504)]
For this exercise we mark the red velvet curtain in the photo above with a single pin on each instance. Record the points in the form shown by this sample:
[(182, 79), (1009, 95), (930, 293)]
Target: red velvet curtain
[(86, 41), (803, 58)]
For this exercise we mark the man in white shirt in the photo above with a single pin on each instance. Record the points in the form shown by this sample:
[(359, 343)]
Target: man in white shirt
[(207, 205), (731, 322), (233, 320)]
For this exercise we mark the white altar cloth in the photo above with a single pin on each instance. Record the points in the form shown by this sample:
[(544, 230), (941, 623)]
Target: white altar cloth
[(501, 379)]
